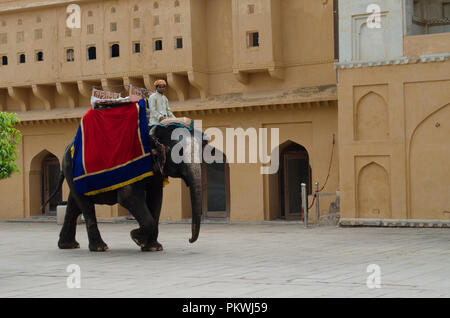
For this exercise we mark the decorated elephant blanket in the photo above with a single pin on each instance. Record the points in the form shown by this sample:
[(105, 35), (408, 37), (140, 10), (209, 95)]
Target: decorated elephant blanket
[(111, 149)]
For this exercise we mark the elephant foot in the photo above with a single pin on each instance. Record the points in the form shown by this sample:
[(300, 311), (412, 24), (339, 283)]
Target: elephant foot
[(152, 247), (68, 245), (138, 238), (98, 247)]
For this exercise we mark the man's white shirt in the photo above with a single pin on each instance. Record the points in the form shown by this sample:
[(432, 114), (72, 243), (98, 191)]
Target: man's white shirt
[(158, 107)]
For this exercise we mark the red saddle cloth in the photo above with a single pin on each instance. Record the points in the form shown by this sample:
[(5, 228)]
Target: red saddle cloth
[(111, 137), (111, 149)]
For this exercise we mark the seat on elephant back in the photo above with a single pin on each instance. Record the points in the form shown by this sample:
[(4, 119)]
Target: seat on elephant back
[(111, 149), (184, 122)]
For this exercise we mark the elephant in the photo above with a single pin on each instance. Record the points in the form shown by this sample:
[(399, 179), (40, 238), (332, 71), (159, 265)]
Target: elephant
[(143, 199)]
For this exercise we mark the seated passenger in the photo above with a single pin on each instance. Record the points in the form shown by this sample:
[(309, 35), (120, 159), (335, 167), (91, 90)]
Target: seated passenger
[(158, 105)]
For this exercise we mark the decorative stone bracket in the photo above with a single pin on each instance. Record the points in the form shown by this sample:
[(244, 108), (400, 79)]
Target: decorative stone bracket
[(46, 94), (70, 91), (148, 81), (2, 100), (242, 75), (199, 81), (20, 95), (179, 84), (85, 88)]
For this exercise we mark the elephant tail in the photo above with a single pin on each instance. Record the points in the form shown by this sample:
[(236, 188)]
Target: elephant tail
[(58, 188)]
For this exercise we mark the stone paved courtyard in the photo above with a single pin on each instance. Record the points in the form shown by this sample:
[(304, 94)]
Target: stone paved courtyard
[(229, 260)]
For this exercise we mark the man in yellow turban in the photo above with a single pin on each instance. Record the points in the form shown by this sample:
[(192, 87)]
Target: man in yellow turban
[(159, 104)]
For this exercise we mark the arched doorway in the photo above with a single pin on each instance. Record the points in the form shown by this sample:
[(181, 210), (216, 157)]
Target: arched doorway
[(43, 180), (294, 170), (50, 175), (216, 188)]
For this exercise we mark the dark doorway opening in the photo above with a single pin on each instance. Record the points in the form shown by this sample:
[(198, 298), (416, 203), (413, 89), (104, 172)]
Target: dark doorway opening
[(50, 175), (294, 170), (216, 189)]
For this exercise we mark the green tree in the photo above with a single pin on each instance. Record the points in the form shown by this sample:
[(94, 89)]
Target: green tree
[(9, 139)]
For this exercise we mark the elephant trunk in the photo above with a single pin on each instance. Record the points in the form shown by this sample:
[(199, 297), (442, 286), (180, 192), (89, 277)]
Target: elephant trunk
[(194, 182)]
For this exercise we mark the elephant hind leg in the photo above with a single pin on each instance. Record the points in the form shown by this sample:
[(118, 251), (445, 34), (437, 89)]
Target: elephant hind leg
[(96, 243), (67, 234)]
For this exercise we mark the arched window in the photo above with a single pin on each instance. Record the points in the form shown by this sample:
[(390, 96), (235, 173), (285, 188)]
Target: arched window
[(39, 56), (92, 53), (136, 8), (22, 58), (113, 10), (4, 60), (115, 50), (177, 3), (155, 5)]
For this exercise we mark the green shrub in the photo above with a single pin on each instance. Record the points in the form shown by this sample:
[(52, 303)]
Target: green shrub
[(9, 139)]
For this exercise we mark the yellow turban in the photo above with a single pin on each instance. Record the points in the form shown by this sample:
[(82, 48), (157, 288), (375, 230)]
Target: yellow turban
[(160, 82)]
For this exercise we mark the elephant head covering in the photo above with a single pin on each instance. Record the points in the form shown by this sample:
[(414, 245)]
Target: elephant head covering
[(160, 82)]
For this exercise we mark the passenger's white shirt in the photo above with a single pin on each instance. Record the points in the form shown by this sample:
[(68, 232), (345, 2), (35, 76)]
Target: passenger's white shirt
[(158, 107)]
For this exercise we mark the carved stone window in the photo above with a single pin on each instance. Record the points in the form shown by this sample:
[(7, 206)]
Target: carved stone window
[(158, 45), (38, 34), (178, 43), (115, 50), (253, 39), (70, 55), (20, 37), (39, 56), (21, 58), (113, 27), (92, 53), (156, 20), (177, 18), (3, 38), (251, 9), (155, 5), (177, 3), (137, 47), (90, 29), (4, 60), (136, 23)]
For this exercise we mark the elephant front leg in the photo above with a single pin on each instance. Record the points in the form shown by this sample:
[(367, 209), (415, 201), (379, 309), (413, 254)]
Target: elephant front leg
[(154, 198), (133, 199), (67, 234)]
